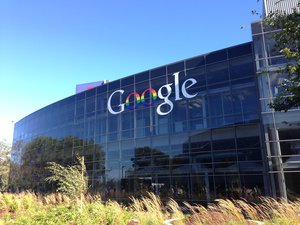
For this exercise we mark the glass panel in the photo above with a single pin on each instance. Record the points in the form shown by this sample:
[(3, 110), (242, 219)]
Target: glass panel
[(254, 166), (127, 81), (202, 188), (176, 67), (144, 76), (245, 100), (158, 72), (80, 108), (291, 133), (214, 105), (101, 103), (90, 93), (127, 119), (256, 28), (252, 185), (258, 47), (114, 85), (217, 73), (223, 139), (249, 155), (248, 137), (101, 89), (227, 186), (113, 123), (241, 67), (195, 62), (290, 148), (239, 50), (90, 105), (216, 56), (293, 184), (270, 45), (80, 96), (199, 74)]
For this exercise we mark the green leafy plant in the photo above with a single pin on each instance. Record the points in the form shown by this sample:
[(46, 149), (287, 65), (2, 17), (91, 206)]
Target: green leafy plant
[(287, 40), (70, 180), (5, 150)]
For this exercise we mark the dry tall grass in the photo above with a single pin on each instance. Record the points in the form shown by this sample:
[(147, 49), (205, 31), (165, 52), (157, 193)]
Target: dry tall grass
[(28, 208)]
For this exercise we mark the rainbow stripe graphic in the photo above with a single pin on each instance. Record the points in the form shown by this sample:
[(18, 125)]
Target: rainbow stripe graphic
[(154, 97), (137, 97)]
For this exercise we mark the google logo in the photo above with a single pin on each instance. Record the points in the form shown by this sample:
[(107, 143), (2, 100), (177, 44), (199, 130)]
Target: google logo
[(180, 91), (141, 99)]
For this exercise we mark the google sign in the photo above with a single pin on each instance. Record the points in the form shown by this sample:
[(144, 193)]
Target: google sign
[(166, 101)]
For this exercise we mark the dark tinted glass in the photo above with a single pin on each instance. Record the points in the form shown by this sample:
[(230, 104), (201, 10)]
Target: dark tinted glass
[(102, 89), (79, 108), (256, 28), (80, 96), (195, 107), (158, 72), (199, 74), (224, 156), (114, 85), (236, 51), (90, 105), (248, 142), (214, 105), (140, 87), (69, 100), (289, 134), (176, 67), (224, 144), (241, 67), (127, 81), (101, 103), (158, 82), (142, 76), (216, 56), (258, 46), (249, 155), (217, 73), (270, 45), (90, 93), (195, 62)]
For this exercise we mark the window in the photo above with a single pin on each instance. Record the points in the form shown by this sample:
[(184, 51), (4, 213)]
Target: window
[(217, 73), (241, 67)]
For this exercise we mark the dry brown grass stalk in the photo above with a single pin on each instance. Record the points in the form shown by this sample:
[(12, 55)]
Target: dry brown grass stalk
[(151, 210)]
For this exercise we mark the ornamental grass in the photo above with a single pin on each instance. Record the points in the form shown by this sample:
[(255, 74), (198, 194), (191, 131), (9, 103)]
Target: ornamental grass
[(30, 208)]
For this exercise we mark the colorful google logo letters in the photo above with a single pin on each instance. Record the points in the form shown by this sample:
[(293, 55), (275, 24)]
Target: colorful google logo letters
[(159, 94), (141, 98)]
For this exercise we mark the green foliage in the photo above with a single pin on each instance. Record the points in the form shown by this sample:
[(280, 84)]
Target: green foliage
[(70, 180), (288, 44), (28, 172), (28, 169), (5, 150)]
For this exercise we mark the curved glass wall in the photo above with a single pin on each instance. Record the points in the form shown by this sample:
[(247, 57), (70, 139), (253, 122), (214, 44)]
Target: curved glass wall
[(188, 130)]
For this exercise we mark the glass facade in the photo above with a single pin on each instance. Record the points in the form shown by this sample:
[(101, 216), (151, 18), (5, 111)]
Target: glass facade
[(190, 130), (281, 129)]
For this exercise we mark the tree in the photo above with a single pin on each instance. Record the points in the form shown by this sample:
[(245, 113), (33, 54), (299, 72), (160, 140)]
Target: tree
[(5, 150), (288, 44), (70, 180)]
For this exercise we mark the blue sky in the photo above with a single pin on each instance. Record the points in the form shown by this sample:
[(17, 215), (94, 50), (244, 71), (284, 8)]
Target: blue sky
[(49, 46)]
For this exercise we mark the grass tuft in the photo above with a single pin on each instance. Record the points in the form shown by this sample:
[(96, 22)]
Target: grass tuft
[(29, 208)]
